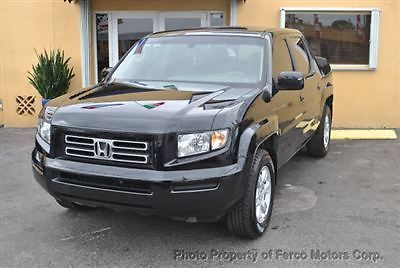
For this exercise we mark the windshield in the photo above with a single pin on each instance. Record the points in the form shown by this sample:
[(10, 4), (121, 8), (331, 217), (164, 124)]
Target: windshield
[(195, 59)]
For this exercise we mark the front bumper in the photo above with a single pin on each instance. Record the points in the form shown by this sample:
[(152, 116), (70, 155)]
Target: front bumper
[(191, 195)]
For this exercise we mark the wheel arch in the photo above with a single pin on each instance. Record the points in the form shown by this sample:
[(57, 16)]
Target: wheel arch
[(255, 137), (329, 102), (270, 144)]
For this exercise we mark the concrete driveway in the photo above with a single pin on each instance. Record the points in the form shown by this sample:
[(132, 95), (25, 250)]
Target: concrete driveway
[(338, 211)]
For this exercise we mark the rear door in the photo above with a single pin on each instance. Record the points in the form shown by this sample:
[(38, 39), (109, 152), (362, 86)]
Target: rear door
[(310, 96)]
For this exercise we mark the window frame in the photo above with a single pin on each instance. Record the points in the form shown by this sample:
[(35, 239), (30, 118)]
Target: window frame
[(289, 53), (374, 33), (307, 51)]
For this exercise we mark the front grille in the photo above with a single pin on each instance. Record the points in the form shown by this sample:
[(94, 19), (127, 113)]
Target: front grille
[(116, 150)]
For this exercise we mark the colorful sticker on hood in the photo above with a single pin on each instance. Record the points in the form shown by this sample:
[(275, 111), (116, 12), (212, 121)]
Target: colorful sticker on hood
[(152, 105), (95, 106)]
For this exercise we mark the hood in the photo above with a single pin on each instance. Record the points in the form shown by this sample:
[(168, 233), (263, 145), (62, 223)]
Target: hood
[(140, 109)]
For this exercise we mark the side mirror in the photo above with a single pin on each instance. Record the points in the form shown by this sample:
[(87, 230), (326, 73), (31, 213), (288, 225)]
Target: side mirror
[(105, 72), (323, 65), (290, 81), (267, 93)]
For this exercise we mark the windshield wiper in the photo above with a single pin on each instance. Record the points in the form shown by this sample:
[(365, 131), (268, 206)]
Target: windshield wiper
[(128, 82), (140, 84)]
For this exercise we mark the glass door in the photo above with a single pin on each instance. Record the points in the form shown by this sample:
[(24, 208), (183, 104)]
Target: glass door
[(126, 29), (101, 43), (122, 29), (182, 20)]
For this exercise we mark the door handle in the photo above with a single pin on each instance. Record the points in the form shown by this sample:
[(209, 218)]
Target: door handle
[(301, 98)]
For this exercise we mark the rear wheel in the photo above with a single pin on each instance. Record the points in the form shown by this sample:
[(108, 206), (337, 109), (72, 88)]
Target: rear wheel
[(71, 205), (249, 218), (319, 144)]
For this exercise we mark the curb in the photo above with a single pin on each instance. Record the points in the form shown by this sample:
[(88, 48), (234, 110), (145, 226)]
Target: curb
[(363, 134)]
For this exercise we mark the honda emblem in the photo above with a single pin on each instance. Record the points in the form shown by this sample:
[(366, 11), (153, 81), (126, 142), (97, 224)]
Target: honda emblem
[(102, 149)]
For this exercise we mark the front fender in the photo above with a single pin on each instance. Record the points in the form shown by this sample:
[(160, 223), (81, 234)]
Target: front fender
[(253, 137), (250, 140)]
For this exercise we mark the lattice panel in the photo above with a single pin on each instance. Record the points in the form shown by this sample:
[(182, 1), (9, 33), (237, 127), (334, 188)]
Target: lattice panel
[(26, 105)]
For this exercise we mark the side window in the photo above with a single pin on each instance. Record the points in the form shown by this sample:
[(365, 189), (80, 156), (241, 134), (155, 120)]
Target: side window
[(300, 54), (281, 61)]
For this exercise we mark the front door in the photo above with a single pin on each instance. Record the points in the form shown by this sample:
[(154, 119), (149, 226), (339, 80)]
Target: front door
[(286, 103), (310, 96)]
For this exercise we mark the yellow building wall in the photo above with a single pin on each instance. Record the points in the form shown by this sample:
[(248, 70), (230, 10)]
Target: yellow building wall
[(156, 5), (26, 26), (362, 99)]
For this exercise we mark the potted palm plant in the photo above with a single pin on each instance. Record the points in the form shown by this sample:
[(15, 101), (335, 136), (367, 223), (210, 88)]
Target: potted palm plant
[(51, 76)]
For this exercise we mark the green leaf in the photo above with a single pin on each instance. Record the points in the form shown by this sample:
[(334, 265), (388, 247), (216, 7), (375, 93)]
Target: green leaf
[(51, 76)]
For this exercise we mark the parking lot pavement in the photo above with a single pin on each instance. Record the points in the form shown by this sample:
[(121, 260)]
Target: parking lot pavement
[(346, 205)]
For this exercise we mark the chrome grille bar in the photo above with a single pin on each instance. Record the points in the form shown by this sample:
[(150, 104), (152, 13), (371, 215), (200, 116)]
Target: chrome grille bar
[(107, 149), (130, 145)]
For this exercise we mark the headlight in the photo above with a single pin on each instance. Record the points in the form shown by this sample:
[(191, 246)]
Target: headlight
[(197, 143), (44, 124), (44, 130)]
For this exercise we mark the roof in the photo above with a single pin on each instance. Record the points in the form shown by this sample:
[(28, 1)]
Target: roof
[(245, 31)]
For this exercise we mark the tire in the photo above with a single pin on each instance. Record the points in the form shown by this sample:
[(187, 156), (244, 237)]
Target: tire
[(318, 146), (71, 205), (242, 219)]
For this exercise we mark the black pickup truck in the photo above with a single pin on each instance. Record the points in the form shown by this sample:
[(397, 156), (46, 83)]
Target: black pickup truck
[(190, 124)]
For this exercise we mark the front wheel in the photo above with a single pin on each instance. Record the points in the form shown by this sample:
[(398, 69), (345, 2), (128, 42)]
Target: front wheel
[(319, 144), (249, 218)]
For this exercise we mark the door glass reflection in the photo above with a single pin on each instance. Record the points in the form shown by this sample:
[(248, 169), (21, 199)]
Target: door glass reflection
[(182, 23), (130, 30), (102, 42), (342, 38)]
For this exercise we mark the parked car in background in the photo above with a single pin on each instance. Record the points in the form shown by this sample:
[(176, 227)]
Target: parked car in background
[(191, 124)]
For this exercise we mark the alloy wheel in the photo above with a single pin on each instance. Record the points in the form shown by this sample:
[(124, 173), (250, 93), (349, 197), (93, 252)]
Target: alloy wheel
[(327, 130), (263, 194)]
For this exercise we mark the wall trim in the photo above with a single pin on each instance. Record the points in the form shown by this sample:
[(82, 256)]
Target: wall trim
[(84, 8), (233, 17), (344, 9)]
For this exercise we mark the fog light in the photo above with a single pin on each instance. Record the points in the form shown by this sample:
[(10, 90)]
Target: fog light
[(39, 157)]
